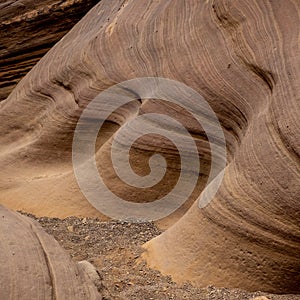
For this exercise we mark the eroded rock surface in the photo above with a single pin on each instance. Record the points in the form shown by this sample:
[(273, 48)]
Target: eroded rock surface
[(34, 266), (243, 58), (28, 29)]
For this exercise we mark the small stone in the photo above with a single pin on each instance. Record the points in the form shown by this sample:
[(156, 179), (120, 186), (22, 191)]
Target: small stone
[(90, 270), (71, 228)]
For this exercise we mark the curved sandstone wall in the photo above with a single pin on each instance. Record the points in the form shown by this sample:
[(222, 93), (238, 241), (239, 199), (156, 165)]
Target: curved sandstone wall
[(243, 58), (34, 266), (28, 29)]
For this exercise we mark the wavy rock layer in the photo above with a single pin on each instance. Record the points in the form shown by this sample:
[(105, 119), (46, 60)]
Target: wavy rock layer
[(243, 57), (28, 29), (34, 266)]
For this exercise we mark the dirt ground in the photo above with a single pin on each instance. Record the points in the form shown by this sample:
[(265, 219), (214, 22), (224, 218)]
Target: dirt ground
[(114, 248)]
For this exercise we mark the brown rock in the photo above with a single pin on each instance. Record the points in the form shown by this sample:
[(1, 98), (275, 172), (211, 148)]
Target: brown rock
[(243, 57), (28, 29), (71, 228), (33, 263)]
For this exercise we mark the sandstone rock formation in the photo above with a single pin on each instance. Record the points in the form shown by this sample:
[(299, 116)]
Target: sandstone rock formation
[(28, 29), (243, 58), (34, 266)]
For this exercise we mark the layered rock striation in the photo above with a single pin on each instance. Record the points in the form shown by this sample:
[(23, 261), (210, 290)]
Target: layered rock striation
[(34, 266), (28, 29), (243, 58)]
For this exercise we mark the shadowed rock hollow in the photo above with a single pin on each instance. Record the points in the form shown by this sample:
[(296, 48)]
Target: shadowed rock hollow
[(243, 58)]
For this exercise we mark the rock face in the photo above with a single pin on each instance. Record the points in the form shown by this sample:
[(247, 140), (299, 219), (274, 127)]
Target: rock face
[(28, 29), (34, 266), (243, 58)]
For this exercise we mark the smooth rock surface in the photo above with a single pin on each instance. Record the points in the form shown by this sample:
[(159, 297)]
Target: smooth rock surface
[(243, 58), (34, 266)]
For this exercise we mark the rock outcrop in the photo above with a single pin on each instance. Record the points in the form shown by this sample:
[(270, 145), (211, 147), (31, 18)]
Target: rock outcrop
[(34, 266), (28, 29), (243, 58)]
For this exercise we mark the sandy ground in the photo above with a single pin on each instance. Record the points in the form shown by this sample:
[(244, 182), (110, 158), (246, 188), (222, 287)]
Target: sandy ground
[(114, 249)]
